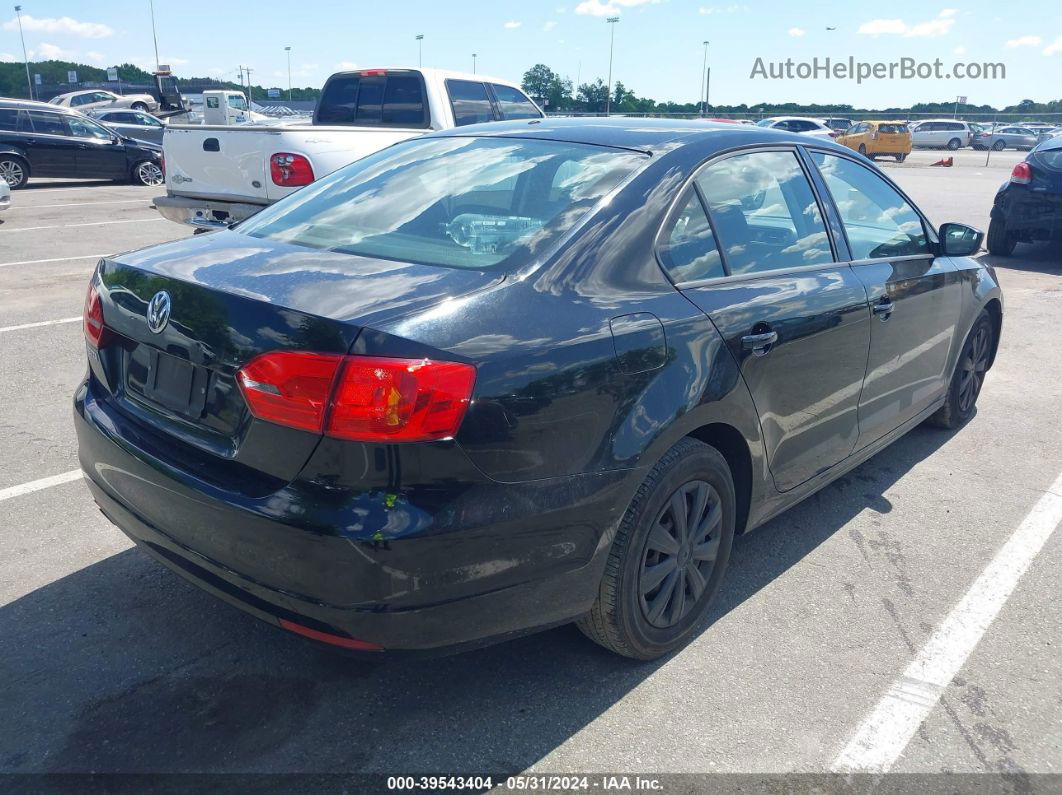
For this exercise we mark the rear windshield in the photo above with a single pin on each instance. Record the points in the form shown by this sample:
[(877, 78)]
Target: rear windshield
[(1052, 158), (455, 202), (394, 100), (892, 128)]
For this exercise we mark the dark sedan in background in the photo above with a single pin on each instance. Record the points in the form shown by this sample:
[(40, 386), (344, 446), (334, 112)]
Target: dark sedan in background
[(42, 140), (132, 124), (514, 375), (1028, 206)]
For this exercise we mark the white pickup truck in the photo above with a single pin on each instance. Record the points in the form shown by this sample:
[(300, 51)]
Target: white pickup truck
[(216, 175)]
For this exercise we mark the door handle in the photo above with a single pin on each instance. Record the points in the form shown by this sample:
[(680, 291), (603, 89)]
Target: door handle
[(883, 308), (760, 344)]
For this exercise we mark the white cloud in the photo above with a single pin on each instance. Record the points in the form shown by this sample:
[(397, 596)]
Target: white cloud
[(95, 57), (346, 66), (549, 26), (1054, 47), (939, 26), (1025, 41), (512, 24), (609, 8), (797, 32), (52, 52), (147, 62), (6, 57), (733, 8), (74, 27)]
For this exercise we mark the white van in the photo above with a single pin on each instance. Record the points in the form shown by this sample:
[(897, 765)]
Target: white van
[(941, 133)]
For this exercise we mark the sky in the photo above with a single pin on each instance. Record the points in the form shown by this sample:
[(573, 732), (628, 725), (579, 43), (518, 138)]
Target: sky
[(659, 50)]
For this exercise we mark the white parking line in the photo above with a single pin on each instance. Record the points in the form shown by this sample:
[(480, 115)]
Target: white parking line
[(54, 259), (886, 731), (94, 223), (86, 204), (37, 485), (40, 323)]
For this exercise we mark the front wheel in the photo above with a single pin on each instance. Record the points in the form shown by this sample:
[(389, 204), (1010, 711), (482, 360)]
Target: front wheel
[(863, 149), (148, 172), (668, 557), (13, 171), (1000, 242), (901, 157), (138, 106), (954, 144), (969, 375)]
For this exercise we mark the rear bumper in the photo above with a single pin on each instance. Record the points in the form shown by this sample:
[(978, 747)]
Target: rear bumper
[(433, 587), (1033, 215), (208, 213)]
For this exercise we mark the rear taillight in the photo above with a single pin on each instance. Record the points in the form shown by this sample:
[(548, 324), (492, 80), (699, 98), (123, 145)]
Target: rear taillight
[(93, 316), (289, 170), (359, 398), (1022, 174)]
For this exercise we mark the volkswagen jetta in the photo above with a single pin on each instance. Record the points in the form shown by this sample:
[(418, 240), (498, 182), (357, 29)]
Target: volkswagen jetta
[(516, 375)]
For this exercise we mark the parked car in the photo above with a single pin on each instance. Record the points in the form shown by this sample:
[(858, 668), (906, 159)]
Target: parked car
[(98, 98), (217, 175), (1028, 207), (42, 140), (941, 134), (873, 138), (508, 376), (838, 124), (132, 123), (1004, 137), (798, 124), (5, 195)]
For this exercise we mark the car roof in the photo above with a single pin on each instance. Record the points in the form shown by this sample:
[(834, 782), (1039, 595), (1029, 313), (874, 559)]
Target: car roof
[(29, 104), (427, 70), (884, 121), (787, 118), (655, 136)]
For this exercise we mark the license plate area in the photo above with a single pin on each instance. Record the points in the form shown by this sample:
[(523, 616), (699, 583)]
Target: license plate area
[(167, 381)]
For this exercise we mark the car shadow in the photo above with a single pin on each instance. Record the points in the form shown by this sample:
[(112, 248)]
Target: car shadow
[(124, 667), (1030, 257), (63, 183)]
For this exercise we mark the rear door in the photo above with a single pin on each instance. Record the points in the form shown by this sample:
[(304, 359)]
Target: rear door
[(470, 102), (915, 297), (49, 146), (794, 319)]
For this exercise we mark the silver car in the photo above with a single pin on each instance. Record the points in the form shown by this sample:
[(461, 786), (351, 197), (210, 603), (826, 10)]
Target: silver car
[(98, 99), (1006, 138), (5, 195), (132, 124)]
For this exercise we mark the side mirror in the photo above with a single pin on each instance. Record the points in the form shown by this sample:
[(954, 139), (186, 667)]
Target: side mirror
[(116, 139), (960, 240)]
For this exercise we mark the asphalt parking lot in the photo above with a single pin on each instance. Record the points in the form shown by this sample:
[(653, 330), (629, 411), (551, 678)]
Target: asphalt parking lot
[(110, 663)]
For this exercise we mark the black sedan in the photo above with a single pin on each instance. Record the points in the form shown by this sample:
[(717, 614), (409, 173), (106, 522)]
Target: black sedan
[(42, 140), (1028, 206), (515, 375)]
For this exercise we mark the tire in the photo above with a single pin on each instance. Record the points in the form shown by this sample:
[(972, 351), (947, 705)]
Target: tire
[(954, 144), (138, 106), (147, 172), (863, 149), (1000, 242), (999, 146), (642, 622), (969, 375), (901, 157), (14, 171)]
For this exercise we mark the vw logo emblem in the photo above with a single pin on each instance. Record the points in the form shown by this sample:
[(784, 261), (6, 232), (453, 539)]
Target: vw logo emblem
[(158, 311)]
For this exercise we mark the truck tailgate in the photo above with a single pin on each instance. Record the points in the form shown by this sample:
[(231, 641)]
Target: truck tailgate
[(218, 162)]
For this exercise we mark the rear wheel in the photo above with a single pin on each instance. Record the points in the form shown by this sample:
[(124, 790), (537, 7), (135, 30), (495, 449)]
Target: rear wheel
[(969, 375), (954, 144), (14, 171), (138, 106), (863, 149), (901, 157), (147, 172), (669, 555), (1000, 242), (999, 146)]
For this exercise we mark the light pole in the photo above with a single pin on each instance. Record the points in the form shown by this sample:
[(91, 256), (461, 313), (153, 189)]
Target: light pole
[(612, 40), (154, 37), (25, 58), (250, 92), (704, 71), (420, 49), (473, 63), (288, 51)]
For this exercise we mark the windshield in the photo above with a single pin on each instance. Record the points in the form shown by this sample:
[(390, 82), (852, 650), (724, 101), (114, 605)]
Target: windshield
[(457, 202), (237, 102), (765, 123)]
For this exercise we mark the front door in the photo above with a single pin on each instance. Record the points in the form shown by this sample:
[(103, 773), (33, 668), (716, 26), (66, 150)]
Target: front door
[(99, 152), (796, 321), (915, 297)]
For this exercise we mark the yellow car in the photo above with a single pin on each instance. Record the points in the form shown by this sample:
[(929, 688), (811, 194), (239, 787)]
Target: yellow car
[(873, 138)]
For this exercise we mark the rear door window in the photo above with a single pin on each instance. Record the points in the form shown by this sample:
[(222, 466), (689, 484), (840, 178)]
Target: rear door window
[(470, 102), (513, 104), (46, 123), (8, 119), (878, 221), (688, 251), (764, 212)]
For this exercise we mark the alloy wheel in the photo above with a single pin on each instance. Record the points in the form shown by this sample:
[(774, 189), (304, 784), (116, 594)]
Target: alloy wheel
[(680, 553), (11, 172), (974, 367), (149, 174)]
